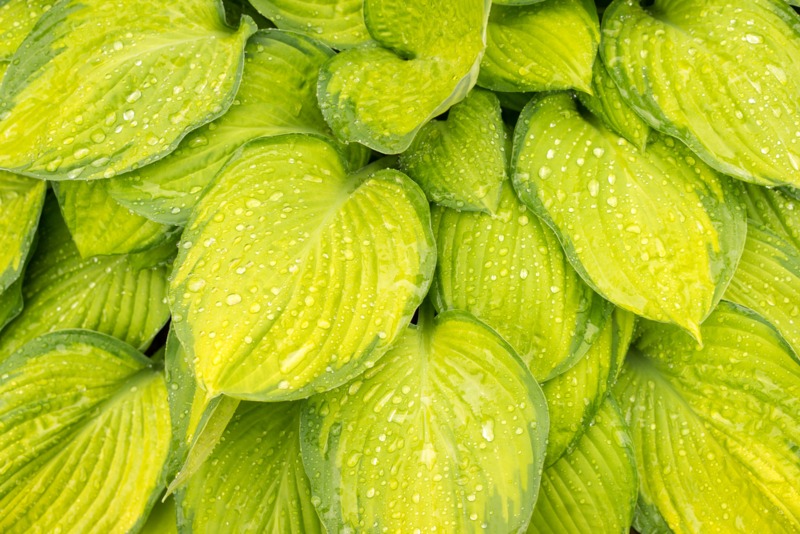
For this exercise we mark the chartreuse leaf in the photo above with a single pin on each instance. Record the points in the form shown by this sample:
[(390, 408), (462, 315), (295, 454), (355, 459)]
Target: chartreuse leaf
[(259, 452), (100, 88), (277, 95), (715, 430), (657, 233), (163, 519), (767, 281), (606, 102), (84, 435), (775, 210), (574, 396), (100, 225), (461, 162), (545, 46), (21, 201), (17, 19), (721, 76), (294, 277), (593, 488), (103, 293), (337, 23), (380, 94), (509, 271), (449, 416)]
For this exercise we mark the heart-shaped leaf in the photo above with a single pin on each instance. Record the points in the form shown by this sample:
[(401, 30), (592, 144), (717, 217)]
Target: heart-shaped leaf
[(715, 430), (594, 487), (545, 46), (775, 210), (657, 233), (509, 271), (461, 162), (277, 95), (293, 276), (84, 435), (380, 94), (21, 201), (100, 88), (446, 433), (100, 225), (337, 23), (109, 294), (260, 451), (721, 76)]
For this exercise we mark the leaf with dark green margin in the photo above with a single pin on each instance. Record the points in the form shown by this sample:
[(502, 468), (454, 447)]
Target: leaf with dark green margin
[(103, 293), (254, 480), (767, 281), (21, 201), (607, 103), (337, 23), (100, 88), (715, 430), (163, 519), (721, 76), (99, 225), (449, 416), (775, 210), (293, 277), (545, 46), (17, 19), (510, 272), (277, 95), (84, 435), (574, 396), (657, 233), (461, 162), (380, 94), (594, 487)]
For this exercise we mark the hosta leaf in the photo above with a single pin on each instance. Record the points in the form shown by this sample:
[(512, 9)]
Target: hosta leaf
[(380, 94), (450, 416), (17, 19), (100, 225), (715, 430), (574, 396), (594, 487), (99, 88), (21, 201), (337, 23), (721, 76), (11, 303), (163, 519), (103, 293), (510, 272), (461, 162), (767, 281), (607, 103), (84, 438), (277, 95), (775, 210), (513, 101), (254, 480), (656, 233), (294, 277), (545, 46)]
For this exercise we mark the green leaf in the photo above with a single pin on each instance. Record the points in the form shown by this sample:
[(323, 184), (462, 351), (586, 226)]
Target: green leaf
[(100, 225), (594, 487), (509, 271), (545, 46), (606, 102), (11, 303), (293, 277), (21, 201), (99, 88), (513, 101), (767, 281), (461, 162), (277, 95), (380, 94), (103, 293), (337, 23), (715, 430), (84, 435), (254, 480), (450, 416), (657, 233), (163, 519), (574, 396), (775, 210), (721, 76), (17, 19)]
